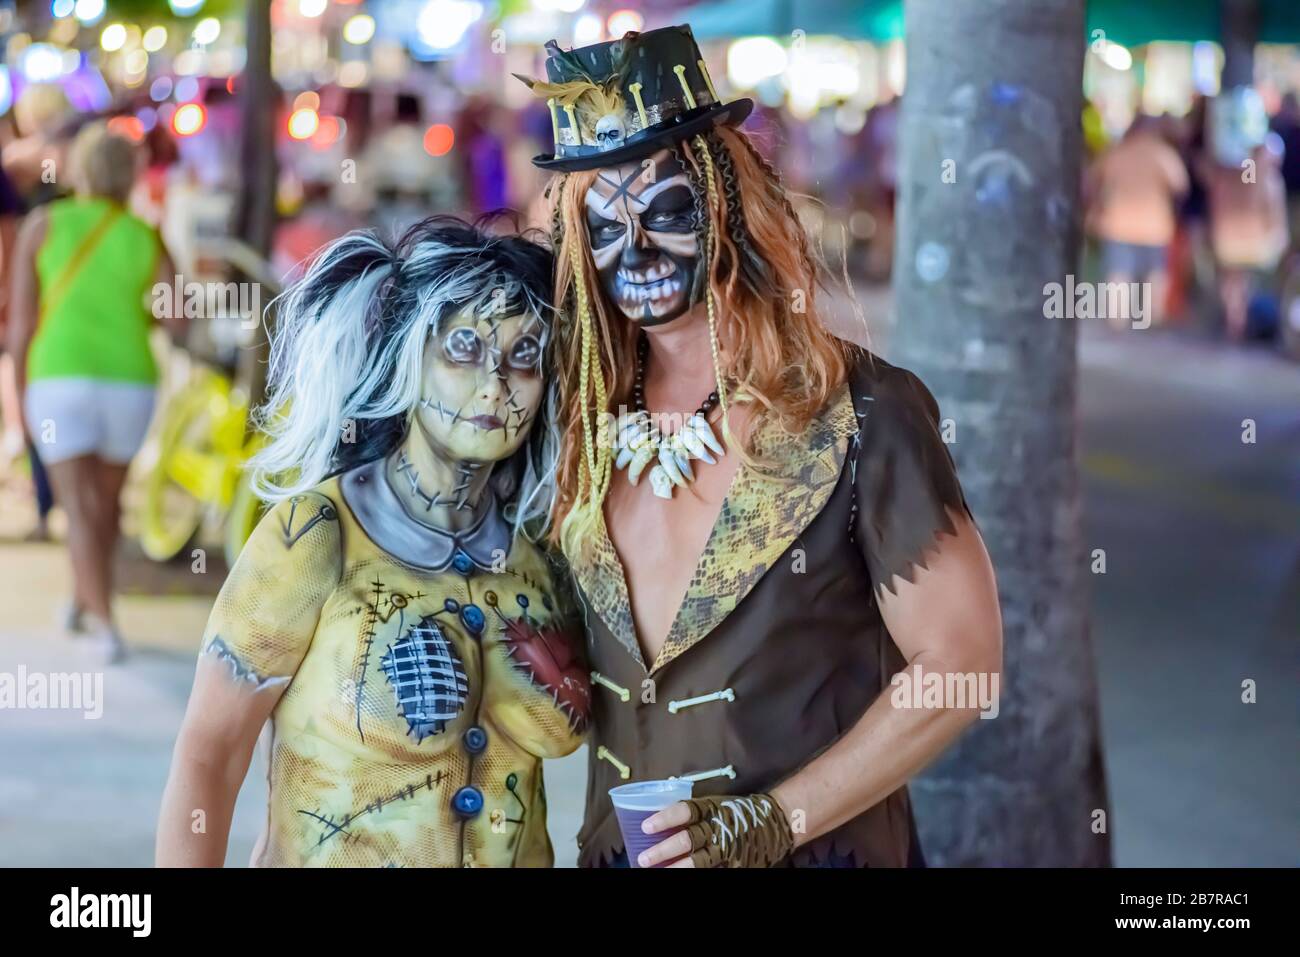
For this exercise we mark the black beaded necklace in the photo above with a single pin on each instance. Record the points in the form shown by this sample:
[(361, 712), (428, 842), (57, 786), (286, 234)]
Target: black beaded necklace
[(638, 387)]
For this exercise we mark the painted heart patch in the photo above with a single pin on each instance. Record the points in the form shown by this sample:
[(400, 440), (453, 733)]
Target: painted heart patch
[(549, 657)]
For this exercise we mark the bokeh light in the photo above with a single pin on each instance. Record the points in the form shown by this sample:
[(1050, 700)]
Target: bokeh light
[(155, 38), (207, 30), (89, 11), (439, 139), (190, 118), (113, 37), (128, 127), (303, 124), (624, 21), (359, 29)]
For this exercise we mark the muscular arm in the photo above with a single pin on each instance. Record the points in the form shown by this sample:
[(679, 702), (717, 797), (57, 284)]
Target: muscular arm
[(226, 712), (947, 621)]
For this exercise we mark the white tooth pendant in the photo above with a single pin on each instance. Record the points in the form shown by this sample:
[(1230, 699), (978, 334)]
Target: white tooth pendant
[(660, 482), (640, 459), (693, 444), (700, 426), (668, 462), (640, 445)]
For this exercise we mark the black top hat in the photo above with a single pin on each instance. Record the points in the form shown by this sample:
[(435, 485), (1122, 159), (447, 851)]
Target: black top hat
[(623, 100)]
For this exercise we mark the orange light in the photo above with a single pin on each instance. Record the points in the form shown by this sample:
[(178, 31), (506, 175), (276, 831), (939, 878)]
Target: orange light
[(307, 100), (624, 21), (327, 133), (128, 127), (303, 124), (189, 119), (439, 139)]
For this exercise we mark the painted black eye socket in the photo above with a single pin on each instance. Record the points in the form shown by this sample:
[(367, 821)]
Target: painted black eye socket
[(525, 354), (605, 231), (463, 346), (666, 222)]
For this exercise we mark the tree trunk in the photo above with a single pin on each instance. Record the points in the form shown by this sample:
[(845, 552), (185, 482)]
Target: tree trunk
[(1240, 20), (990, 147), (255, 206)]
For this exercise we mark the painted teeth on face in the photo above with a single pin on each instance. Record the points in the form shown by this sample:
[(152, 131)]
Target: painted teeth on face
[(652, 292), (660, 270)]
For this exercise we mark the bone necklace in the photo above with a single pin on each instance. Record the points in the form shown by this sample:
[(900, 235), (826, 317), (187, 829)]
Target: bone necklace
[(638, 442)]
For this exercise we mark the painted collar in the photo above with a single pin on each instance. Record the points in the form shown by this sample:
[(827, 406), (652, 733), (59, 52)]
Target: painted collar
[(381, 516)]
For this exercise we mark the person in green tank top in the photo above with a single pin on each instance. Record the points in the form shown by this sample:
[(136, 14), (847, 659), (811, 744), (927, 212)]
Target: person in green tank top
[(79, 332)]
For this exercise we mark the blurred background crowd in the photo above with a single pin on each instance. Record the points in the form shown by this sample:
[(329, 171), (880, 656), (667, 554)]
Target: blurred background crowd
[(263, 129)]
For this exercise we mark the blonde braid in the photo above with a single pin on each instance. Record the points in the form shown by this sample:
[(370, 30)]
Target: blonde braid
[(593, 476), (710, 250)]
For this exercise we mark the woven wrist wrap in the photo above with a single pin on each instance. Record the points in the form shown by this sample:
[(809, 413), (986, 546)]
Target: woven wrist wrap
[(738, 831)]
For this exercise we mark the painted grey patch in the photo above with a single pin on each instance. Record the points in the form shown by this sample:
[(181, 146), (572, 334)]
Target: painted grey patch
[(427, 677), (239, 670), (932, 261)]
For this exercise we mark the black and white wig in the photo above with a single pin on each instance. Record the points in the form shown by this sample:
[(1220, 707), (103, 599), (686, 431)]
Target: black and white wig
[(348, 347)]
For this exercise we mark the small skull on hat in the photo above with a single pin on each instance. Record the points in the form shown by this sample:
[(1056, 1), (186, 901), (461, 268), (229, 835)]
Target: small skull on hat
[(610, 130)]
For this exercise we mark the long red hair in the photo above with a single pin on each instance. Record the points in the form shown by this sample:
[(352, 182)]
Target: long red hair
[(763, 277)]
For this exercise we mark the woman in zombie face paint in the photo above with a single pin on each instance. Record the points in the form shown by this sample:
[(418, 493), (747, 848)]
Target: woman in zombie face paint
[(803, 542), (391, 614)]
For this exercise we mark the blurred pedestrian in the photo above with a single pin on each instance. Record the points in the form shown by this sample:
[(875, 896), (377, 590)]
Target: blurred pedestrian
[(79, 334), (1249, 234), (1286, 124), (1132, 193), (1248, 229)]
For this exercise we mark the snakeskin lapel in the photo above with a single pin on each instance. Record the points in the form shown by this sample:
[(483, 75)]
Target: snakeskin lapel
[(603, 589), (764, 513)]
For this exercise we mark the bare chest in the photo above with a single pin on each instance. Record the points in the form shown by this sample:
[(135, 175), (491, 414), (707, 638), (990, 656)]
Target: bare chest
[(659, 542)]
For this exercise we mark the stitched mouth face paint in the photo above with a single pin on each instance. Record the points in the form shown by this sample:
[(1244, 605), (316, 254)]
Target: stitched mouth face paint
[(482, 385), (641, 227)]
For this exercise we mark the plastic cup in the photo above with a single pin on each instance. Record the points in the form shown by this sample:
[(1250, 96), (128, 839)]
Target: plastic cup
[(635, 802)]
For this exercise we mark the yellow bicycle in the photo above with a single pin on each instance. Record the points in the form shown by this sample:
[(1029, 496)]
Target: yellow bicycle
[(203, 446), (204, 443)]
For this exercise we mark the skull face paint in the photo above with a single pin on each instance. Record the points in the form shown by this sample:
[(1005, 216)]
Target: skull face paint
[(641, 228), (482, 385)]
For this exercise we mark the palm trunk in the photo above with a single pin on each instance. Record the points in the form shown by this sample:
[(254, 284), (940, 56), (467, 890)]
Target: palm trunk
[(255, 210), (989, 167)]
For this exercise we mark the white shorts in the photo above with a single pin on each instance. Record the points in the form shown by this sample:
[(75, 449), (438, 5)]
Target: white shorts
[(68, 418)]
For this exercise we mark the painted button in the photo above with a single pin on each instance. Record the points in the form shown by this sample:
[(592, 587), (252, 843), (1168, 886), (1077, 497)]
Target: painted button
[(472, 616), (451, 605), (467, 802), (462, 563), (475, 740)]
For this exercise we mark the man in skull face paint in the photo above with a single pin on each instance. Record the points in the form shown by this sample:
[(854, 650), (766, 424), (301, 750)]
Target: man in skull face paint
[(641, 224), (804, 540)]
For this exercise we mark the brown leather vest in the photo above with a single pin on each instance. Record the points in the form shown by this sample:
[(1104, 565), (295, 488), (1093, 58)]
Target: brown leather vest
[(780, 627)]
